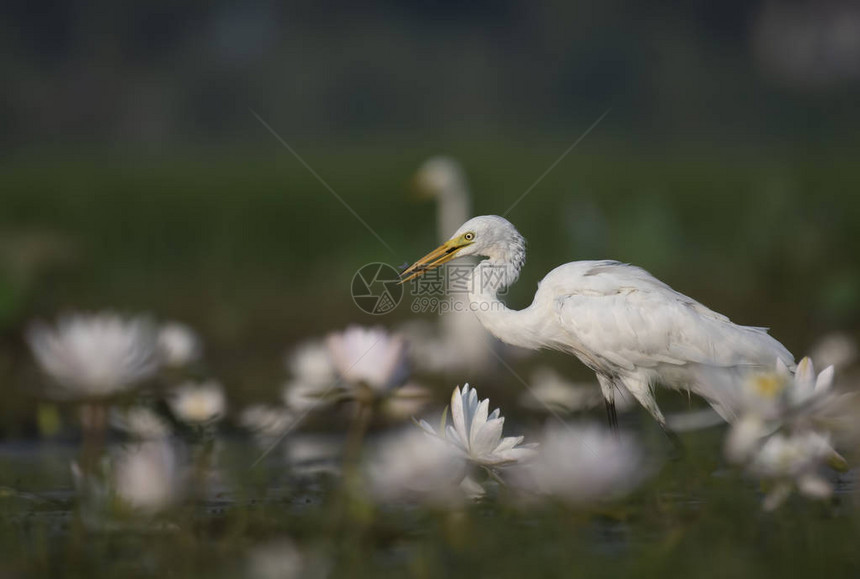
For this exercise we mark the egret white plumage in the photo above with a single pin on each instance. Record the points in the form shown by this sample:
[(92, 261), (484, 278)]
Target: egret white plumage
[(631, 329)]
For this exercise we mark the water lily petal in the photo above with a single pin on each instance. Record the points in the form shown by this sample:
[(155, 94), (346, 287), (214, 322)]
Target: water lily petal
[(519, 454), (452, 436), (508, 443), (458, 416), (478, 421), (804, 377), (470, 405), (425, 426), (744, 438), (825, 379), (486, 439), (472, 488)]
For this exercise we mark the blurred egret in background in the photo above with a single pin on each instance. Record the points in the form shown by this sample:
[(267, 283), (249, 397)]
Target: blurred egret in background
[(631, 329), (443, 179), (461, 342)]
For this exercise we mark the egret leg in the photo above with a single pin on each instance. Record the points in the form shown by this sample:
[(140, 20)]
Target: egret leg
[(612, 415), (607, 388), (677, 445), (644, 394)]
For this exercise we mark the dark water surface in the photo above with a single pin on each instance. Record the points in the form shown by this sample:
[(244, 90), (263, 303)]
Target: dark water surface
[(694, 518)]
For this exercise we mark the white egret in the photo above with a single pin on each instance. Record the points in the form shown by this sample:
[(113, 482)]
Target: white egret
[(461, 343), (631, 329), (443, 179)]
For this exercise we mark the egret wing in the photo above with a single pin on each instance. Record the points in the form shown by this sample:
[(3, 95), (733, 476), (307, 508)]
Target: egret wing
[(625, 316)]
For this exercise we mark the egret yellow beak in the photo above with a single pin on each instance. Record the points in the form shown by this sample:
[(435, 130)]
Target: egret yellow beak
[(441, 255)]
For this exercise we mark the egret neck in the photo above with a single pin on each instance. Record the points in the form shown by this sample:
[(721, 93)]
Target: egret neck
[(453, 209), (489, 277)]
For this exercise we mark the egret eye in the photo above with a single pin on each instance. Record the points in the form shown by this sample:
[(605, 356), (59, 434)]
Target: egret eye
[(469, 236)]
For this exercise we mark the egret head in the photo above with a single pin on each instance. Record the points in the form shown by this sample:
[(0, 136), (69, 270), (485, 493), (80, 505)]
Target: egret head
[(487, 236), (439, 176)]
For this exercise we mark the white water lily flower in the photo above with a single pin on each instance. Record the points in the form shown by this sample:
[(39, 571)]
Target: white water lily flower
[(809, 388), (143, 477), (140, 422), (766, 402), (178, 345), (776, 395), (477, 433), (777, 435), (413, 467), (764, 393), (311, 363), (302, 397), (358, 363), (282, 559), (581, 464), (761, 403), (95, 355), (314, 377), (267, 423), (745, 437), (198, 403), (835, 349), (793, 461), (146, 476), (369, 357)]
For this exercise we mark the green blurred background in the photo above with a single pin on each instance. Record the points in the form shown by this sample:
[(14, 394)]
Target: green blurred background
[(135, 175)]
